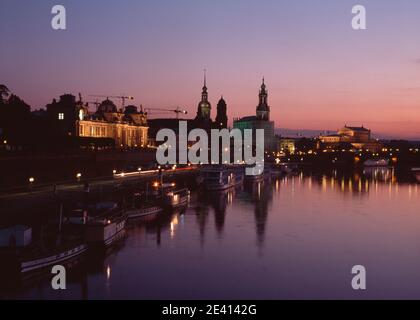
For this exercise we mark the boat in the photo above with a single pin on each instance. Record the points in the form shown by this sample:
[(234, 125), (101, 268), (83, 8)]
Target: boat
[(416, 172), (104, 230), (221, 177), (175, 198), (143, 207), (22, 256), (258, 174), (376, 163), (101, 224)]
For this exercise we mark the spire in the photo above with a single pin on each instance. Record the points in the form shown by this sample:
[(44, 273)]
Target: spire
[(205, 78), (263, 84)]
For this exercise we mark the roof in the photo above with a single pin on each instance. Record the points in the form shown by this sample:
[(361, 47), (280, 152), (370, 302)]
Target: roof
[(357, 128), (249, 118)]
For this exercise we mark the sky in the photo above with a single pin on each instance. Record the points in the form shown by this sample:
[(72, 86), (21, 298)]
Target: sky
[(320, 73)]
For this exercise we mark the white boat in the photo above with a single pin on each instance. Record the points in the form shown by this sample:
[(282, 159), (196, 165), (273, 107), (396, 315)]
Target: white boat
[(143, 211), (176, 198), (143, 206), (218, 178), (23, 257), (61, 256), (105, 229), (376, 163)]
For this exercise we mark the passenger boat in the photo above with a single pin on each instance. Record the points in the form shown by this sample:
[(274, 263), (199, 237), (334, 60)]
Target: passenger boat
[(104, 230), (176, 198), (101, 223), (218, 178), (21, 256), (143, 207), (376, 163)]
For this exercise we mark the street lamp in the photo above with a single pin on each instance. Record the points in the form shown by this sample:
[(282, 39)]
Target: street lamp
[(79, 176), (31, 183)]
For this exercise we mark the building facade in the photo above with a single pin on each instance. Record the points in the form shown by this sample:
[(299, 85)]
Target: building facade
[(358, 137), (127, 128)]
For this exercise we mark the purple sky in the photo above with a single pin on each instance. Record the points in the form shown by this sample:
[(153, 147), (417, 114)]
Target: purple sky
[(320, 73)]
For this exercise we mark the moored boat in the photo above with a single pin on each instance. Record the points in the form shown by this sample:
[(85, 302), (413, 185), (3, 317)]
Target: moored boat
[(223, 177), (22, 256), (176, 197), (416, 172), (376, 163), (146, 210), (104, 230)]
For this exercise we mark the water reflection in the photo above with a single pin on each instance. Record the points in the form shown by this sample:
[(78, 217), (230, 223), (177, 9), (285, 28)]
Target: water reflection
[(304, 222)]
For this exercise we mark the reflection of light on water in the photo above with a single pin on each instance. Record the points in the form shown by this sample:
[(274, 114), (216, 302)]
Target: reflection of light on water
[(343, 185), (174, 223), (324, 183), (230, 197), (108, 272), (310, 184), (259, 190)]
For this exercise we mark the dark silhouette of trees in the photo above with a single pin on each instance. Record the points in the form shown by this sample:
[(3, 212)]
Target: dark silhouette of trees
[(15, 117), (4, 93)]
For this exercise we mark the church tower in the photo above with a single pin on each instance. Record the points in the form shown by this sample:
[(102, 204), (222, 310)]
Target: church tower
[(263, 110), (204, 107), (221, 118)]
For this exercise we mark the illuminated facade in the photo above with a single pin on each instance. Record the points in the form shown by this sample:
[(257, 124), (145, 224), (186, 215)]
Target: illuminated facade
[(127, 128), (358, 137)]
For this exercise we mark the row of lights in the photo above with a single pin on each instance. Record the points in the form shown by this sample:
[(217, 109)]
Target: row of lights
[(78, 177)]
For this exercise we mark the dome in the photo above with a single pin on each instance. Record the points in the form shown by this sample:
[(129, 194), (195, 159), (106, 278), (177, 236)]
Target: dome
[(107, 106)]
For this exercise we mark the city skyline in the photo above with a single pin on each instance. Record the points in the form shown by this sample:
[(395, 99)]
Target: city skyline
[(320, 73)]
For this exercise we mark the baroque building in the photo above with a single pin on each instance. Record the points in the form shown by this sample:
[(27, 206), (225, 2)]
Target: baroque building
[(127, 128), (358, 137), (203, 119)]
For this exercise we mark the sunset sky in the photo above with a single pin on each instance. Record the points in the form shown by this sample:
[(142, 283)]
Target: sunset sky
[(320, 73)]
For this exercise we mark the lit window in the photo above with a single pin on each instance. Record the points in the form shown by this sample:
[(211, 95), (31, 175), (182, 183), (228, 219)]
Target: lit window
[(61, 116)]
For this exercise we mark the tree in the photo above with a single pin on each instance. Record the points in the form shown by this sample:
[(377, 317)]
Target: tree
[(4, 93)]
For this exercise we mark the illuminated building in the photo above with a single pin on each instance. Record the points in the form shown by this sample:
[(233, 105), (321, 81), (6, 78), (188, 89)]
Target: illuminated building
[(127, 129), (358, 137)]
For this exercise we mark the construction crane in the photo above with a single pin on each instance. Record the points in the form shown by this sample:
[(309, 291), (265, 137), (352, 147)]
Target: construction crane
[(177, 111), (123, 98)]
